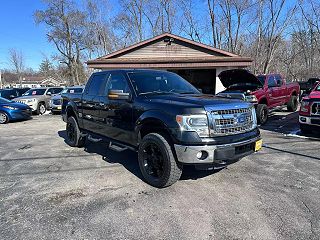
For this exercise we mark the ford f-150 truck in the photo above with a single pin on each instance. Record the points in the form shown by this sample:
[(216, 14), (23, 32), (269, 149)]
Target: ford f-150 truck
[(309, 115), (267, 92), (162, 116)]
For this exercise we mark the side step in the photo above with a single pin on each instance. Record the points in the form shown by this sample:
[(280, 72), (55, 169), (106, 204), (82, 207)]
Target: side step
[(92, 139), (117, 147)]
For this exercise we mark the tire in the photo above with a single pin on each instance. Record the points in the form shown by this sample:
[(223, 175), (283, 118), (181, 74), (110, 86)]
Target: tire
[(41, 109), (262, 113), (3, 118), (305, 129), (158, 166), (292, 105), (73, 137)]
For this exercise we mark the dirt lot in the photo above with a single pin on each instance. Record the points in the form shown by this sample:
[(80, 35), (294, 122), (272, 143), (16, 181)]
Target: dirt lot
[(49, 190)]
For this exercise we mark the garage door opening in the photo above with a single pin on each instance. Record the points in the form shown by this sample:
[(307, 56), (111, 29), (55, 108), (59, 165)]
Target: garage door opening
[(204, 79)]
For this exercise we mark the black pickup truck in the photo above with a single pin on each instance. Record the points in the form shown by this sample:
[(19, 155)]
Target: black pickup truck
[(163, 117)]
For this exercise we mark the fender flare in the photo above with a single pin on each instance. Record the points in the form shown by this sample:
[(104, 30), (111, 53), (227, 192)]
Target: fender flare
[(156, 118)]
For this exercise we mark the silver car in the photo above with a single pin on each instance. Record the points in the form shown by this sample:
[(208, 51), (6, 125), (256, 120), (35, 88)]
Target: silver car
[(38, 98), (56, 101)]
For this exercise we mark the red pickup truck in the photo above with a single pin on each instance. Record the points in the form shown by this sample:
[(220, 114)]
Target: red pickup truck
[(267, 92), (309, 115)]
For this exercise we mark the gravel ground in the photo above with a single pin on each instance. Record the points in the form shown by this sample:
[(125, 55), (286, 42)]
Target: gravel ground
[(49, 190)]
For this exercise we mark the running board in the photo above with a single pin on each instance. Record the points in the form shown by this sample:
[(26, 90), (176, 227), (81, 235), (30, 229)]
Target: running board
[(117, 147), (92, 139)]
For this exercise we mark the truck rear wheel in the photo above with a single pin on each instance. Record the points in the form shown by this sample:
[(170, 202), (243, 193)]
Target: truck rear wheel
[(262, 113), (157, 162), (74, 138), (292, 104)]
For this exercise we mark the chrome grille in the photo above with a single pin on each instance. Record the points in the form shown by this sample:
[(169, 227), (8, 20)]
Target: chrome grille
[(232, 121), (21, 101), (315, 108)]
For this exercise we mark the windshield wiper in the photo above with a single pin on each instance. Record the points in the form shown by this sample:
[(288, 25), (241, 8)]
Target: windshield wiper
[(155, 92), (186, 92)]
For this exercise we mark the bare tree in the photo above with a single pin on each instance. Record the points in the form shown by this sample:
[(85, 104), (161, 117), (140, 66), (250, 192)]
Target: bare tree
[(67, 30), (17, 60)]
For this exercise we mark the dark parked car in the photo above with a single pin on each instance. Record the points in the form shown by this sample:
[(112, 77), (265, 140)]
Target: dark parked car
[(267, 92), (162, 116), (10, 111), (11, 93), (56, 101)]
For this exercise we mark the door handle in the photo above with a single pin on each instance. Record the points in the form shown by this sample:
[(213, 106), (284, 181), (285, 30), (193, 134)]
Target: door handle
[(102, 104)]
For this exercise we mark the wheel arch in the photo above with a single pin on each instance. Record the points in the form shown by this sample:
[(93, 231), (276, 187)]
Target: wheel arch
[(154, 121)]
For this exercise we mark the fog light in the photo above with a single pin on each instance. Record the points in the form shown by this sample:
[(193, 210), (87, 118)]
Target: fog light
[(202, 155), (303, 119)]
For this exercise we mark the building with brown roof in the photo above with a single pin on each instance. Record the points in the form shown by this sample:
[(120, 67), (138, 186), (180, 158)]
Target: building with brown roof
[(200, 64)]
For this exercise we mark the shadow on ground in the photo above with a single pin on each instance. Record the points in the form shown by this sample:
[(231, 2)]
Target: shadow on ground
[(286, 123), (129, 160)]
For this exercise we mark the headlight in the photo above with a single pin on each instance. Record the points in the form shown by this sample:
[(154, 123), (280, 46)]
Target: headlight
[(251, 98), (304, 106), (31, 100), (11, 108), (196, 123)]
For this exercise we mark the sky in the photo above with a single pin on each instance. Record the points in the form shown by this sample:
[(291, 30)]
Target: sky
[(18, 30)]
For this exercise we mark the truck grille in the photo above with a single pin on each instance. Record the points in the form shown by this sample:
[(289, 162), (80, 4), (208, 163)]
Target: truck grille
[(315, 108), (21, 101), (232, 121)]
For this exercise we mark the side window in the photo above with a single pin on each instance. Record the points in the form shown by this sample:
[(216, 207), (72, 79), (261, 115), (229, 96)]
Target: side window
[(278, 80), (271, 81), (117, 81), (95, 84)]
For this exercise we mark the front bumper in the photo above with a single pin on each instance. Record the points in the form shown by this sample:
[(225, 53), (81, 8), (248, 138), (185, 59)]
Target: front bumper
[(55, 108), (20, 114), (216, 154), (306, 120)]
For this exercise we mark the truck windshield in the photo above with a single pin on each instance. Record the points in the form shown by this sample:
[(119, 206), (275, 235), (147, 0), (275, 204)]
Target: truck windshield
[(33, 92), (262, 79), (160, 83)]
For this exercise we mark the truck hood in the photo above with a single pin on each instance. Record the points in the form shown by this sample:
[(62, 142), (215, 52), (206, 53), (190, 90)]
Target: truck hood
[(235, 76), (314, 94), (195, 100)]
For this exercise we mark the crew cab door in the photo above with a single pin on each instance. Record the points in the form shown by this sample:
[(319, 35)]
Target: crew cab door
[(91, 102), (281, 90), (272, 91), (117, 113)]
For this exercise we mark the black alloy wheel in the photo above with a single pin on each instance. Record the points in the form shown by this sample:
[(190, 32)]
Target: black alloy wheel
[(153, 160)]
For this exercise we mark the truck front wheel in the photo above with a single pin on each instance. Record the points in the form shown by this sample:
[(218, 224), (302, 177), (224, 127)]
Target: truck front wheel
[(292, 104), (262, 113), (157, 162), (74, 138)]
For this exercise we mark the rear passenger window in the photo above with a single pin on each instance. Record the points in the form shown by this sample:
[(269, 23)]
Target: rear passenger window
[(95, 84)]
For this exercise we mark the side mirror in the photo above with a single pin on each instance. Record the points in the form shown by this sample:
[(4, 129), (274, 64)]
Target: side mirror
[(11, 96), (200, 90), (49, 93), (118, 94)]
